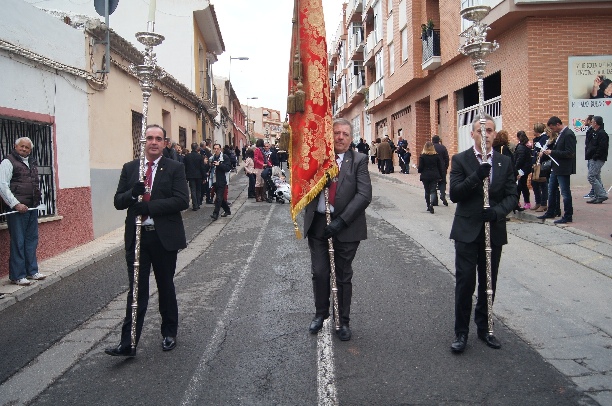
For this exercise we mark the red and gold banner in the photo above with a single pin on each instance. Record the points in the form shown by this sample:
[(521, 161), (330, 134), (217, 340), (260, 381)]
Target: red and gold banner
[(311, 150)]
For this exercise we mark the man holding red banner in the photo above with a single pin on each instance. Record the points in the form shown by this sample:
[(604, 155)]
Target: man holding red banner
[(349, 195)]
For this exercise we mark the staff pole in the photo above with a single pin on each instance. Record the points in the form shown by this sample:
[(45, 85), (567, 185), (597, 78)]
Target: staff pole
[(477, 47), (146, 75)]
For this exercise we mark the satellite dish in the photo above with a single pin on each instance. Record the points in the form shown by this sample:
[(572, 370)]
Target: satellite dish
[(99, 6)]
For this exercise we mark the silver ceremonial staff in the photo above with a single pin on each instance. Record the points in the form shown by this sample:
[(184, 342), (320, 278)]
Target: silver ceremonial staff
[(146, 76), (332, 263), (477, 47)]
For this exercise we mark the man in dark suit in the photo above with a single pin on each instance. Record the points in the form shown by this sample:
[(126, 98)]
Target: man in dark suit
[(165, 195), (353, 194), (468, 171), (220, 166), (564, 152), (195, 171), (441, 186)]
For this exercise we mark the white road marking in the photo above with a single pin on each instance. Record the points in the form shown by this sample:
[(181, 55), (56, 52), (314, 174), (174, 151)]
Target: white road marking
[(326, 378), (198, 379)]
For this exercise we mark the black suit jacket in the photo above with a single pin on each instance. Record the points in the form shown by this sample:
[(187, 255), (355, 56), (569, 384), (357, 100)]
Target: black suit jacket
[(466, 190), (353, 195), (194, 165), (169, 196), (564, 153)]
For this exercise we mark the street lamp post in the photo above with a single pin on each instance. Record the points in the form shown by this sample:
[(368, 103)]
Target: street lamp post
[(229, 79), (248, 111)]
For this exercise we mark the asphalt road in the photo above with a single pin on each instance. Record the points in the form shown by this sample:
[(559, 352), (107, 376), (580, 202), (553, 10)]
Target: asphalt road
[(245, 306)]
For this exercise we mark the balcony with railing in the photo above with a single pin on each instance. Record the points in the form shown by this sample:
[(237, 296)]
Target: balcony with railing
[(431, 50), (356, 45), (377, 89), (354, 10), (370, 44)]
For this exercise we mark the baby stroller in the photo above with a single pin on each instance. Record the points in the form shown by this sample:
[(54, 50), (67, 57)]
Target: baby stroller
[(276, 187)]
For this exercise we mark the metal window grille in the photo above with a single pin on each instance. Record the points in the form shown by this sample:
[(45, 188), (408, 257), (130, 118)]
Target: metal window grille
[(136, 131), (41, 136)]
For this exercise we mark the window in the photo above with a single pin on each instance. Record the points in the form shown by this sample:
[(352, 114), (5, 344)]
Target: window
[(401, 14), (377, 21), (41, 136), (404, 35), (391, 59), (390, 29)]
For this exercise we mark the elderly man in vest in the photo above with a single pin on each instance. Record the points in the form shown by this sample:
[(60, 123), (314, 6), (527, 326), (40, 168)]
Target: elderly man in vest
[(20, 191)]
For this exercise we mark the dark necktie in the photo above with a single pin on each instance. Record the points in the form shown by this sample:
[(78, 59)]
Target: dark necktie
[(332, 188), (148, 181)]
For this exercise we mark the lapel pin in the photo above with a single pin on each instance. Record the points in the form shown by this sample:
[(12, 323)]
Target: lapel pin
[(499, 164)]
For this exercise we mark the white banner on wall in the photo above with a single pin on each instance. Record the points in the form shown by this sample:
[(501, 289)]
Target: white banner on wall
[(585, 72)]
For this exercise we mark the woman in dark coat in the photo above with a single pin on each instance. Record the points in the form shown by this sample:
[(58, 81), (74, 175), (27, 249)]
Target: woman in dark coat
[(539, 186), (522, 163), (431, 169), (501, 145)]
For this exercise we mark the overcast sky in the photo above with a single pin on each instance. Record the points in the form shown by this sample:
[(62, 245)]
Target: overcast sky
[(261, 31)]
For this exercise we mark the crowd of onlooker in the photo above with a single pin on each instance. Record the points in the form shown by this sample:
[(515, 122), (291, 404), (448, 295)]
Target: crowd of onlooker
[(550, 150), (200, 161)]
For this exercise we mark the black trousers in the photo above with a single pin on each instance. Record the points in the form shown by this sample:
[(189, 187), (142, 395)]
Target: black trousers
[(220, 200), (470, 263), (152, 253), (344, 253), (430, 190), (195, 187)]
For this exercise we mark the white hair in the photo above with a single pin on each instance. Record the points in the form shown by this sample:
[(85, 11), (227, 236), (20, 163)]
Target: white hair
[(18, 141)]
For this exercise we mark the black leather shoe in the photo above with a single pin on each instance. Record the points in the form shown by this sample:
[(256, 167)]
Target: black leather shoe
[(121, 351), (458, 346), (490, 340), (169, 343), (225, 214), (444, 201), (214, 216), (546, 216), (344, 334), (563, 220), (316, 325)]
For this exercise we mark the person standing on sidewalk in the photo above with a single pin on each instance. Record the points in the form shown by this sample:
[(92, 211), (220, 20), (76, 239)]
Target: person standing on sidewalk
[(195, 171), (468, 171), (564, 153), (441, 186), (20, 191), (384, 153), (162, 235), (597, 155), (540, 185)]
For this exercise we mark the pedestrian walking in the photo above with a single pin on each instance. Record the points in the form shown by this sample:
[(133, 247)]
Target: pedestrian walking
[(432, 170)]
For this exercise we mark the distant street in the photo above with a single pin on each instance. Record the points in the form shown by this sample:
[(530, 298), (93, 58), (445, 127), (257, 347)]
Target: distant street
[(245, 303)]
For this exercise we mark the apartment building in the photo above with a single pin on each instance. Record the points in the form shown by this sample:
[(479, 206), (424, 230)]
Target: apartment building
[(395, 68)]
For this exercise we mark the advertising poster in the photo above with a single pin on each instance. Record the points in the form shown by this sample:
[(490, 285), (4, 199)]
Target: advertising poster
[(590, 90)]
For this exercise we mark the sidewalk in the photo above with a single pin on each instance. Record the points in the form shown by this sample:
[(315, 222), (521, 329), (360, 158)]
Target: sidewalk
[(62, 266), (593, 220)]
